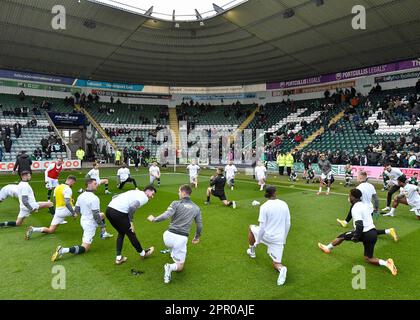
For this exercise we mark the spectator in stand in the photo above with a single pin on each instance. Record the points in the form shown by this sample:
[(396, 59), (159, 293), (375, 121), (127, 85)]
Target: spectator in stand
[(17, 128), (418, 86), (7, 131), (1, 153), (37, 154), (22, 96), (44, 144), (8, 145)]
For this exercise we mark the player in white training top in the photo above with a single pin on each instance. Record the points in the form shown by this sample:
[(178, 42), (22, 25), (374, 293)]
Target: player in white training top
[(230, 172), (124, 176), (274, 227), (94, 174), (154, 173), (409, 195), (27, 202), (193, 171), (260, 174), (9, 191)]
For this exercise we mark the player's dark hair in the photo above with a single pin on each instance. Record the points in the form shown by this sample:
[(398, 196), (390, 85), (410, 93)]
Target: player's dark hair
[(356, 193), (24, 173), (150, 188), (402, 179), (71, 178), (270, 191), (88, 181), (186, 188)]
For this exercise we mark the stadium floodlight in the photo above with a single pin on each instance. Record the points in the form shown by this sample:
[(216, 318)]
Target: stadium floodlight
[(318, 2), (149, 12), (288, 13), (218, 9)]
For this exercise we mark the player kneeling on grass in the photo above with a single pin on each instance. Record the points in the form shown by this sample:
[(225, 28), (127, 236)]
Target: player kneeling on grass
[(94, 174), (27, 202), (193, 171), (182, 214), (274, 227), (88, 206), (217, 189), (364, 231), (409, 196), (260, 175), (63, 208), (120, 213)]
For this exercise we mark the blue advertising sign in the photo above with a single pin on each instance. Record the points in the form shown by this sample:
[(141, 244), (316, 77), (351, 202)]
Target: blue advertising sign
[(29, 76), (109, 85), (74, 119)]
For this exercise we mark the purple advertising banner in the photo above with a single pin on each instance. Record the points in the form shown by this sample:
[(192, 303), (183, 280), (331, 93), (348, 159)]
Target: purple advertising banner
[(363, 72), (28, 76)]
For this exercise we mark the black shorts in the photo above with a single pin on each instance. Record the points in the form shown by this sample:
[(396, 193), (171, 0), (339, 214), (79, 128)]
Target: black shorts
[(220, 194), (368, 239), (306, 166)]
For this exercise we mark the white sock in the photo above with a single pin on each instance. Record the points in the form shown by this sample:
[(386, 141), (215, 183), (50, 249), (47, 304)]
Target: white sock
[(387, 231), (64, 250), (37, 229), (392, 211), (328, 190), (142, 253), (252, 248), (119, 257), (330, 246), (320, 189), (173, 267), (382, 262)]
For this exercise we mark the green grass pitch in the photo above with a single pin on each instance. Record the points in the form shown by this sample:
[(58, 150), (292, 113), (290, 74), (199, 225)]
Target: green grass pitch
[(218, 267)]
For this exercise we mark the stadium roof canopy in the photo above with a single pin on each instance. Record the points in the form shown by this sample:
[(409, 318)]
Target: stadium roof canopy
[(254, 42)]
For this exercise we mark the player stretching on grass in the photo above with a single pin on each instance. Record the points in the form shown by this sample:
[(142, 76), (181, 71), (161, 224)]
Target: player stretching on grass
[(364, 231), (409, 196), (260, 175), (182, 214), (27, 202), (326, 174), (94, 174), (274, 227), (88, 206), (9, 191), (392, 174), (120, 213), (217, 189), (63, 208), (368, 196)]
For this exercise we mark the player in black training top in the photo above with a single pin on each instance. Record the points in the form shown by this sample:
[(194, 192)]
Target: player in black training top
[(217, 189)]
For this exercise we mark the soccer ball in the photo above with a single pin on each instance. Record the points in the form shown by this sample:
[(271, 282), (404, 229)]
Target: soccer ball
[(255, 203)]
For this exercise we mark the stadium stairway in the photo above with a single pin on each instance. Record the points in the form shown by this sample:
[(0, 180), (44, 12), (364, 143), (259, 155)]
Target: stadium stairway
[(174, 126), (248, 120), (96, 125), (57, 132), (320, 131)]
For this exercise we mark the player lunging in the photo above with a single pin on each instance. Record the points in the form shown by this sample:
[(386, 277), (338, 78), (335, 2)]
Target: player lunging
[(182, 214), (63, 208), (124, 176), (409, 195), (88, 206), (217, 189), (94, 174), (27, 202), (392, 175), (364, 231), (274, 227)]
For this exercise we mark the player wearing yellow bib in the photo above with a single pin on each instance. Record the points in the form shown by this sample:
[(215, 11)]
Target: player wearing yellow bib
[(63, 208)]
